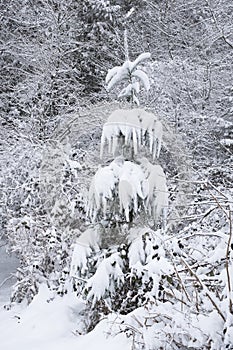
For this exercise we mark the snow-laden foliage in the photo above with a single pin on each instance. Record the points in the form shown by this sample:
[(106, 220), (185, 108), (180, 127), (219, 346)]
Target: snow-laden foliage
[(133, 74), (85, 244), (132, 129), (132, 188), (169, 288), (40, 211), (125, 188), (119, 272), (164, 288), (157, 199)]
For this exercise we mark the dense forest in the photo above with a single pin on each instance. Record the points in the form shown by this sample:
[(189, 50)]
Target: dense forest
[(90, 204)]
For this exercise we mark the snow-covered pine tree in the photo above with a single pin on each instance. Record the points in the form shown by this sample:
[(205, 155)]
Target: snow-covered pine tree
[(128, 198)]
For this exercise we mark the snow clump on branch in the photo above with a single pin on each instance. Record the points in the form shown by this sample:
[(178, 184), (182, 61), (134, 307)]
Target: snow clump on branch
[(133, 128), (136, 186), (134, 75)]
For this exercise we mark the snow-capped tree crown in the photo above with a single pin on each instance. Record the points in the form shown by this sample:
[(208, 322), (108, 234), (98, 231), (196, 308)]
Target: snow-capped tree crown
[(133, 74)]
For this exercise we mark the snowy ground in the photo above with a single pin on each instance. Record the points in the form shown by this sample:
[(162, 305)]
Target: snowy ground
[(48, 324)]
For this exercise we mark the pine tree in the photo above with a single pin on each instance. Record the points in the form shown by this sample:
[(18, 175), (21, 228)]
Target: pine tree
[(127, 198)]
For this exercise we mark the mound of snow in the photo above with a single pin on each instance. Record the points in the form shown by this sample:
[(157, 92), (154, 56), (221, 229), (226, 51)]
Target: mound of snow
[(54, 324)]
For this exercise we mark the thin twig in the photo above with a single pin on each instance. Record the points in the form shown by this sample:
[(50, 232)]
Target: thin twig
[(181, 282), (228, 215), (218, 203), (5, 280), (205, 289), (227, 262)]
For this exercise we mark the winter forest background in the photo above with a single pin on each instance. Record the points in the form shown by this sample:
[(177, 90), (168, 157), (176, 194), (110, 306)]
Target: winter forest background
[(94, 211)]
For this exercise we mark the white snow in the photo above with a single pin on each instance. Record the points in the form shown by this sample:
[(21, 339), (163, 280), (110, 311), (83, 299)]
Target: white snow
[(157, 200), (128, 90), (227, 142), (134, 184), (101, 188), (132, 73), (115, 75), (111, 73), (126, 127), (118, 73), (138, 73), (108, 272), (54, 324), (85, 243), (142, 57)]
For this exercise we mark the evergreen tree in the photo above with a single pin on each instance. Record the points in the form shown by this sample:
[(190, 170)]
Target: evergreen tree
[(123, 194)]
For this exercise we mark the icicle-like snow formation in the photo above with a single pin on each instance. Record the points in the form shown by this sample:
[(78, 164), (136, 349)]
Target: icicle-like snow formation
[(132, 187), (132, 127), (123, 176), (157, 200), (85, 243), (107, 276), (103, 186), (133, 184)]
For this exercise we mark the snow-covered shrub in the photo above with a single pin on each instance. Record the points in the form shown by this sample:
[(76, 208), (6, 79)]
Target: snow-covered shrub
[(120, 277), (163, 289), (41, 214), (118, 193)]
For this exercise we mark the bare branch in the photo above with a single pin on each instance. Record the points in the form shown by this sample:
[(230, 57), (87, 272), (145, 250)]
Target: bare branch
[(205, 289)]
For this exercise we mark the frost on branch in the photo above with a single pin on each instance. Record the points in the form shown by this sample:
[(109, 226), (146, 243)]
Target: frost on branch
[(126, 188), (132, 128), (142, 57)]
